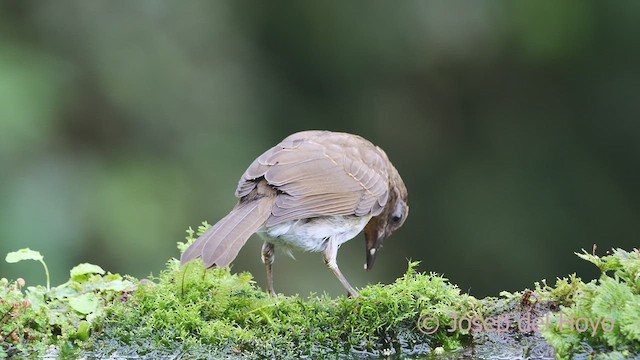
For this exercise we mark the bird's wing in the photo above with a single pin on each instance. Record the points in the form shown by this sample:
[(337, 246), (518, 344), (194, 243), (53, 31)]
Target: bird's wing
[(321, 174)]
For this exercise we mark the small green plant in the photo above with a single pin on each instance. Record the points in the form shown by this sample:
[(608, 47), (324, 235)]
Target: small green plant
[(603, 316), (35, 317), (28, 254)]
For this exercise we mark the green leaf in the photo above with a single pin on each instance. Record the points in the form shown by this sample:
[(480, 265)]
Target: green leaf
[(28, 254), (85, 303), (79, 272), (36, 295), (114, 285), (23, 254), (66, 290), (83, 331)]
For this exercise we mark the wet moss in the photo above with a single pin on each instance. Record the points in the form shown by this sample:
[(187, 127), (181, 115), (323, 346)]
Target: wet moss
[(187, 311), (229, 315), (602, 317)]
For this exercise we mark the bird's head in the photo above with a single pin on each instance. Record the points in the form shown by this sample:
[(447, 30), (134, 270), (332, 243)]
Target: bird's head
[(389, 220)]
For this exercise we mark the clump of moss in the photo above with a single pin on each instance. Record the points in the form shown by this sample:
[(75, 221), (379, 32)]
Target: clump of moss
[(227, 313), (601, 317), (206, 313), (17, 325), (217, 312)]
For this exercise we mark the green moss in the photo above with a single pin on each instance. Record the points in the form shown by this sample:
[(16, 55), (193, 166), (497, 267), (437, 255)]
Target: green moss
[(228, 314), (187, 310), (602, 316)]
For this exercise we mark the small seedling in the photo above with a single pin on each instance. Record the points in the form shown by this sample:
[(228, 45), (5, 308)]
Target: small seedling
[(28, 254)]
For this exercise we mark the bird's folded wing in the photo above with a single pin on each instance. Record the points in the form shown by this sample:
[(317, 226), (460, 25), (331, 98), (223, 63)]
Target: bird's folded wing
[(321, 174)]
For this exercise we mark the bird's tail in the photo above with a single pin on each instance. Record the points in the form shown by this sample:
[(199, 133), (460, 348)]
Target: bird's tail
[(221, 243)]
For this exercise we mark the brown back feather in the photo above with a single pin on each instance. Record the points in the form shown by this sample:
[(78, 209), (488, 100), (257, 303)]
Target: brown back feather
[(321, 173)]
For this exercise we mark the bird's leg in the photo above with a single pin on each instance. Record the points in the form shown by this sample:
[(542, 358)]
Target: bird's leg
[(268, 256), (330, 259)]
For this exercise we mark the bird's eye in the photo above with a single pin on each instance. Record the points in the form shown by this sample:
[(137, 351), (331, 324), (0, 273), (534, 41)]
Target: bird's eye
[(398, 213)]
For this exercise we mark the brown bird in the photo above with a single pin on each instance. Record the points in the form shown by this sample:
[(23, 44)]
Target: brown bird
[(313, 191)]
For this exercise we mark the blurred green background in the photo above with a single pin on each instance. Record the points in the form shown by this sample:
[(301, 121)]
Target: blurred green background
[(514, 124)]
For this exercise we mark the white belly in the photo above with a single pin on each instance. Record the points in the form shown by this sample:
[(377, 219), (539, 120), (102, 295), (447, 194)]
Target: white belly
[(312, 234)]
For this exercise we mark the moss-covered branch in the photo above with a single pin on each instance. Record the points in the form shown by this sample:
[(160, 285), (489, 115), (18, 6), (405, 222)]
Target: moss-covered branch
[(187, 310), (190, 307)]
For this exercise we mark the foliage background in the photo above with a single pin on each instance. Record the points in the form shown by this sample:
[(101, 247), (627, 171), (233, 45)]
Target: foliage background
[(514, 124)]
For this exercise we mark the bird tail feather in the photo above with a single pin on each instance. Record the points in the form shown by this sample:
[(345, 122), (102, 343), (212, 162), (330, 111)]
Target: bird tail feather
[(221, 243)]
